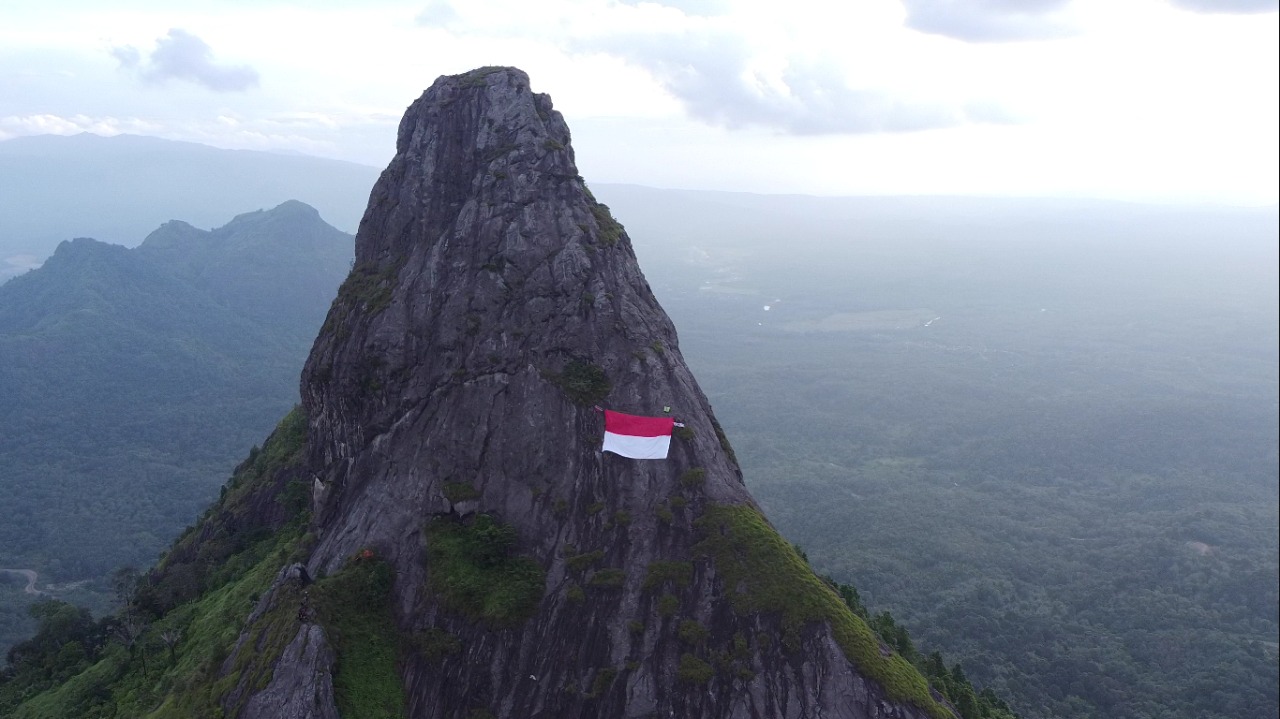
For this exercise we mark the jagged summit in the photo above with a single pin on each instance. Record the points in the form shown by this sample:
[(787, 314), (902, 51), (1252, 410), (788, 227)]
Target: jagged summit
[(84, 247), (484, 271), (452, 433)]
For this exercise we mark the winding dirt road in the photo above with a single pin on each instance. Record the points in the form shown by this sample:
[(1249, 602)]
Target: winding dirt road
[(31, 576)]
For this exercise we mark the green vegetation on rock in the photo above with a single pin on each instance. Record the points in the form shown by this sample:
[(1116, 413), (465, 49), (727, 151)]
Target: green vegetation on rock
[(763, 573), (664, 514), (581, 562), (662, 572), (435, 644), (610, 231), (693, 478), (460, 491), (609, 578), (668, 604), (693, 670), (368, 288), (724, 440), (475, 572), (355, 608), (692, 632), (604, 678), (584, 382), (477, 77)]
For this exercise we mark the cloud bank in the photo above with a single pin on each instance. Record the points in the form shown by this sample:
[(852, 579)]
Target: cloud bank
[(181, 55), (437, 13), (991, 20), (699, 8), (724, 71), (713, 75), (1227, 6)]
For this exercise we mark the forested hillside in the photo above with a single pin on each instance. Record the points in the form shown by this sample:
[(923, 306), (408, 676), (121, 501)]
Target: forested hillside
[(1042, 434), (133, 379)]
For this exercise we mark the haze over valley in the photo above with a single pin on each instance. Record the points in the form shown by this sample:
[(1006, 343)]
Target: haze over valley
[(935, 345), (1041, 433)]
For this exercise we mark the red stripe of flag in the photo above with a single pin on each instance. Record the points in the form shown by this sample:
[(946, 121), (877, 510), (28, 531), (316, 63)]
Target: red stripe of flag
[(630, 424)]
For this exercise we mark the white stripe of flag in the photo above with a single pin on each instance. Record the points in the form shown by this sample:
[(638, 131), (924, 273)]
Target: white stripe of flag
[(637, 437)]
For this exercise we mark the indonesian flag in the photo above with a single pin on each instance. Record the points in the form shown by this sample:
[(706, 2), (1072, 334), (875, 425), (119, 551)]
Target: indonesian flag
[(637, 437)]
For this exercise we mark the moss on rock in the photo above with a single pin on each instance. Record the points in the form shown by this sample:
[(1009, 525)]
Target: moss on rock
[(354, 606), (662, 572), (584, 383), (763, 573), (475, 572)]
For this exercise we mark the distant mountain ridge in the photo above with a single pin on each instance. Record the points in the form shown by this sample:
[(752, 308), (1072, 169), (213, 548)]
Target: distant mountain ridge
[(117, 189), (234, 264), (131, 380)]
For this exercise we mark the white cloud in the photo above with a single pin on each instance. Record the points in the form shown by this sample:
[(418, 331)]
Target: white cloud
[(1143, 101), (758, 67), (180, 55), (437, 13), (720, 81), (991, 20), (48, 124), (1228, 6)]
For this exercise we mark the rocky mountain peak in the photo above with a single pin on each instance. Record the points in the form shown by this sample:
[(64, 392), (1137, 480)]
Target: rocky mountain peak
[(471, 141), (454, 432)]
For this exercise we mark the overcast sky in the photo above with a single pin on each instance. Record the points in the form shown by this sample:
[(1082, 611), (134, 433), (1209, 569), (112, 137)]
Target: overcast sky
[(1168, 100)]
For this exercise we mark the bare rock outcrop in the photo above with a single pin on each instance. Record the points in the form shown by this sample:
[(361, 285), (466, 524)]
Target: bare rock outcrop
[(492, 306), (302, 684)]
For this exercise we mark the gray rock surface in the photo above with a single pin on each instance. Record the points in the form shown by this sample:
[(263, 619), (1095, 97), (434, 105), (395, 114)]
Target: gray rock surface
[(484, 268), (302, 685)]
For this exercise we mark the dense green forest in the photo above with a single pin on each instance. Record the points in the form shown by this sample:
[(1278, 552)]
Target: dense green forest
[(133, 378), (1044, 438), (1042, 435)]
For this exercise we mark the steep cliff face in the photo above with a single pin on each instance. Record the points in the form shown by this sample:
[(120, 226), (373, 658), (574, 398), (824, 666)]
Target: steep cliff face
[(453, 436)]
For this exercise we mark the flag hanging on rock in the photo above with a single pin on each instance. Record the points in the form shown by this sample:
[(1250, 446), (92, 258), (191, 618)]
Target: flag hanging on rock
[(637, 437)]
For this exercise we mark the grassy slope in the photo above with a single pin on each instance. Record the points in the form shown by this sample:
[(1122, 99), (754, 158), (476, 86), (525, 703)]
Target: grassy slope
[(772, 577), (185, 683), (353, 606)]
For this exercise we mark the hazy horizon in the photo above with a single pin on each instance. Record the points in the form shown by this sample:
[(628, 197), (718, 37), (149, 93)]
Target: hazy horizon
[(28, 164), (1169, 100)]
